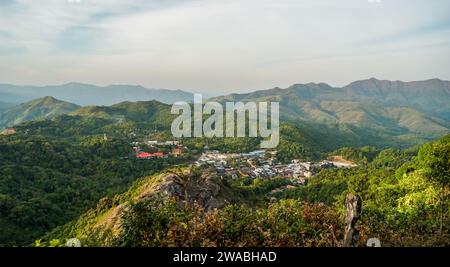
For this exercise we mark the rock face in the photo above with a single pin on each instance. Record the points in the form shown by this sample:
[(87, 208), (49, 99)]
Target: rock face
[(353, 206), (201, 189)]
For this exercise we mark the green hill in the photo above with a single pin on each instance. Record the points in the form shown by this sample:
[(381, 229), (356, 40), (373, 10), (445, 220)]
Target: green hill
[(141, 111), (42, 108), (47, 181)]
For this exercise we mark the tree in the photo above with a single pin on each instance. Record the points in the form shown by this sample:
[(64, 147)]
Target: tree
[(434, 160)]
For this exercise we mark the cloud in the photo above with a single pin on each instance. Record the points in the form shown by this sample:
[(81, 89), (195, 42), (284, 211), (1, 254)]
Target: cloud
[(239, 44)]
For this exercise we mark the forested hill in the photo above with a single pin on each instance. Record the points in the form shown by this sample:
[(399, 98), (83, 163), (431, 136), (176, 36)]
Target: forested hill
[(396, 110), (152, 119), (368, 112), (48, 181), (53, 170), (41, 108)]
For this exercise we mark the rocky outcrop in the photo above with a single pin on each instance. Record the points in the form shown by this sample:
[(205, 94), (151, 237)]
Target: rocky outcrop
[(189, 188), (353, 212), (202, 189)]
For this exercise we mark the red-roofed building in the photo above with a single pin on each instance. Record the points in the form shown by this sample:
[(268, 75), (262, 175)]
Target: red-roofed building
[(145, 155)]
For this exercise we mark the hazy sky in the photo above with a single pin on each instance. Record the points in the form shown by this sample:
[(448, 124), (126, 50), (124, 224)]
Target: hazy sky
[(222, 46)]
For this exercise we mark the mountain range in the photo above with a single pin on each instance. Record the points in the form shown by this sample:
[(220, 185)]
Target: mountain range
[(367, 112), (60, 158), (393, 108), (86, 94)]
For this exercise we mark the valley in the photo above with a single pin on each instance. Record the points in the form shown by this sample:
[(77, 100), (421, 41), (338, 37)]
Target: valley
[(114, 175)]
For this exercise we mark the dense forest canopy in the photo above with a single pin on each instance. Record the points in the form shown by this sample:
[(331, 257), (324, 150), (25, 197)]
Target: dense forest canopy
[(53, 171), (404, 195), (45, 183)]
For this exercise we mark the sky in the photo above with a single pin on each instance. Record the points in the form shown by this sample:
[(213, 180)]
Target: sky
[(222, 46)]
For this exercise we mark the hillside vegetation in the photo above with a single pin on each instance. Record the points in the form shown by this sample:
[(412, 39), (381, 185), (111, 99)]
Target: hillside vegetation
[(48, 182), (38, 109), (60, 160), (404, 194)]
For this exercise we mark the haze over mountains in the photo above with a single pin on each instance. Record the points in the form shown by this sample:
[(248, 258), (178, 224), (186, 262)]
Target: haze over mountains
[(86, 94), (368, 109)]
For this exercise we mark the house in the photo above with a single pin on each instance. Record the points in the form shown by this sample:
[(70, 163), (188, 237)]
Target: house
[(171, 143), (177, 151), (257, 153), (307, 165)]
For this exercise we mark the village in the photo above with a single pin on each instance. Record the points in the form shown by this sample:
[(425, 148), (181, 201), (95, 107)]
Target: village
[(260, 164)]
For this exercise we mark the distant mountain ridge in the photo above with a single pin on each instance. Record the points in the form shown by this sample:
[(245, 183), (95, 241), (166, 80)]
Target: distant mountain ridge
[(392, 108), (86, 94), (403, 112)]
